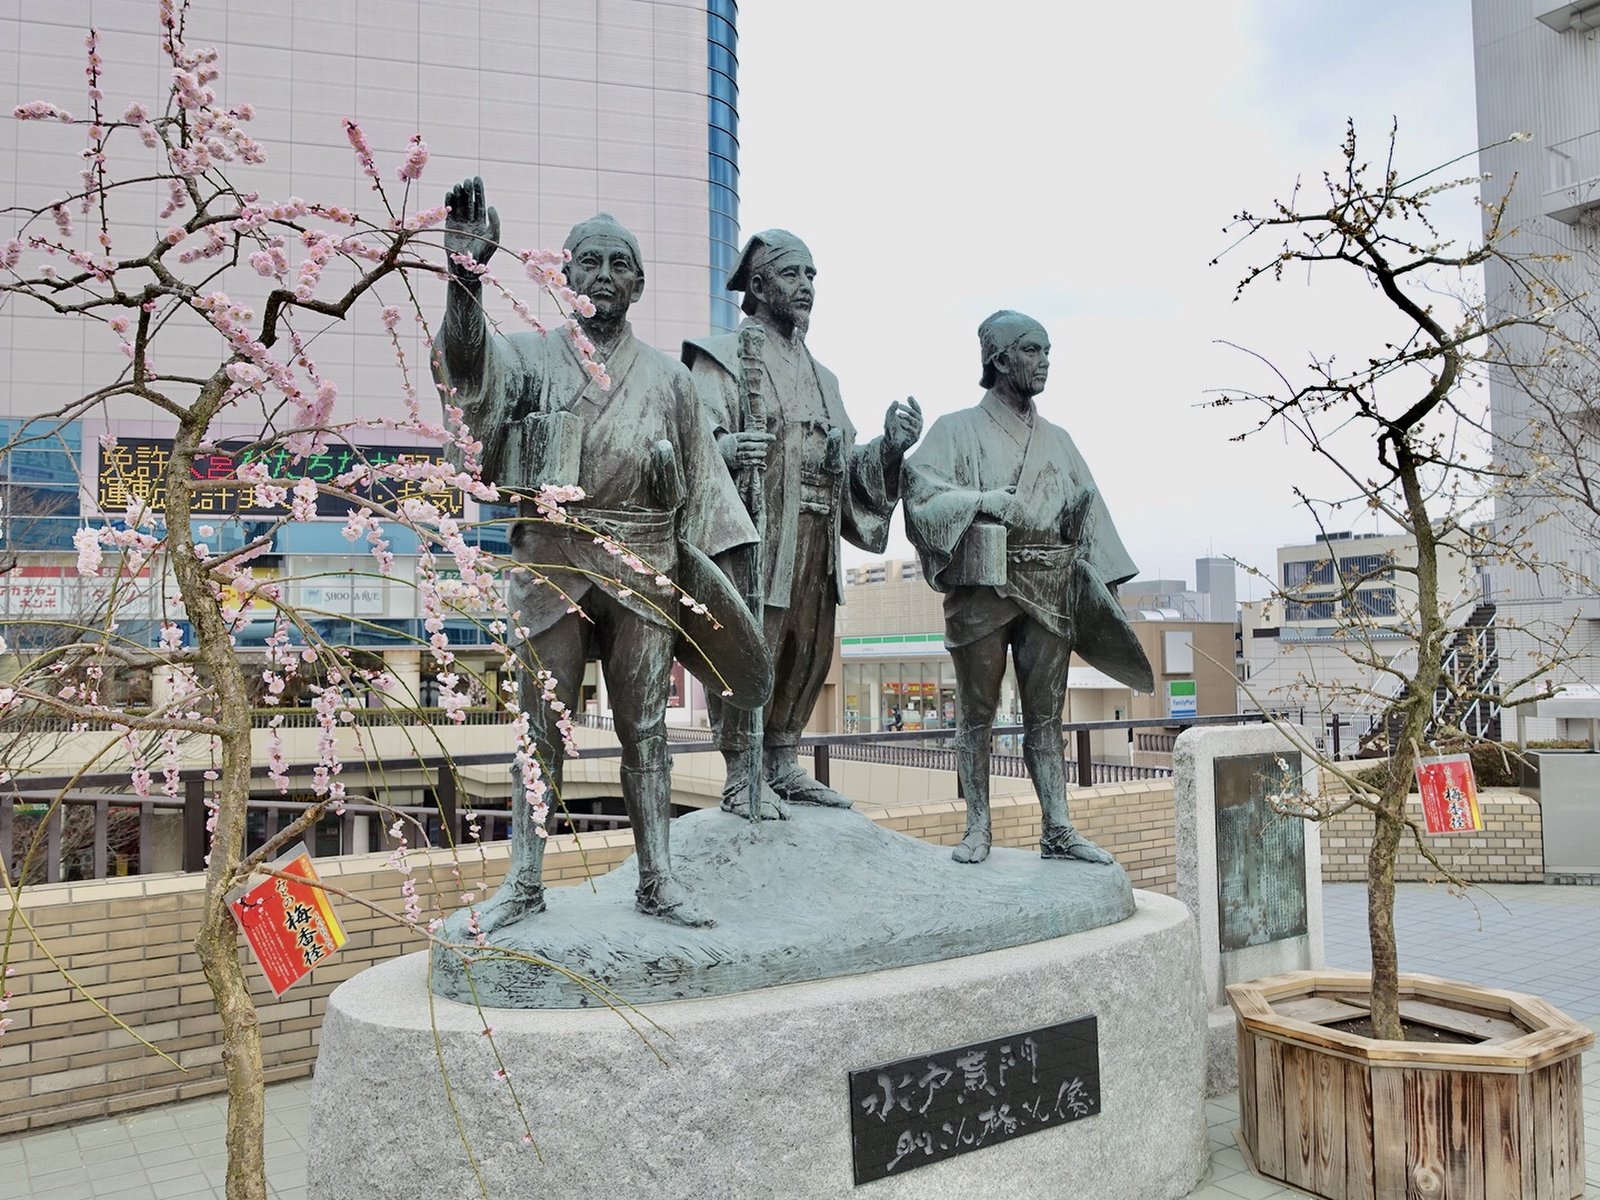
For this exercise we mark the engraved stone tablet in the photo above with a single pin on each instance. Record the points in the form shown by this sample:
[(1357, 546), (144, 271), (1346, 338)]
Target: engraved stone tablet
[(1261, 854), (917, 1111)]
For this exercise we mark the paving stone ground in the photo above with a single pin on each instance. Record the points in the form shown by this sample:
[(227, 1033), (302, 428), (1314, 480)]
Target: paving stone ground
[(1537, 939)]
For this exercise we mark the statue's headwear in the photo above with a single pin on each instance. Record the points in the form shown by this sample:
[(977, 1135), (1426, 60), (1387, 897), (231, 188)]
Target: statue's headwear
[(999, 332), (604, 225), (765, 249)]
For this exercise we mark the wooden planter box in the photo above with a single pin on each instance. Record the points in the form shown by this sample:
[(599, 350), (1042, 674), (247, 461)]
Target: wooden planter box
[(1349, 1117)]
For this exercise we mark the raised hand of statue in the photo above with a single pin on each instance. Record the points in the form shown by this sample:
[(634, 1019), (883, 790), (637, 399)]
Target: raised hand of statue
[(471, 228), (902, 426)]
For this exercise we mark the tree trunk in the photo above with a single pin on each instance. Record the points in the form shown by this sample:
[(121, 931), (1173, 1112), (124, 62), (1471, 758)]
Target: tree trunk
[(1380, 925), (217, 941), (1418, 709)]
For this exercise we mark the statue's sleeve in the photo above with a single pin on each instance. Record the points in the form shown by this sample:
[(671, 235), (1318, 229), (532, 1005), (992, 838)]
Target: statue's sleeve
[(940, 496), (1105, 554), (873, 492), (504, 391), (714, 518), (716, 392)]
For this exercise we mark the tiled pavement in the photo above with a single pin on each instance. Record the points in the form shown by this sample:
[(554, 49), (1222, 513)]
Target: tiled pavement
[(1544, 940)]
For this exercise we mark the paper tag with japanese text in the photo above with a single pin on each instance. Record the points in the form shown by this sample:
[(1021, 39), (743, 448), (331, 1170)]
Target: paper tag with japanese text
[(1449, 795), (290, 925)]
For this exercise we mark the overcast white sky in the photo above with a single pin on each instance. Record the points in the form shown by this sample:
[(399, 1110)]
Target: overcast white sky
[(1079, 162)]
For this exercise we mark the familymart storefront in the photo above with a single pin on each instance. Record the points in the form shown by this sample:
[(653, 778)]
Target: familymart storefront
[(907, 681)]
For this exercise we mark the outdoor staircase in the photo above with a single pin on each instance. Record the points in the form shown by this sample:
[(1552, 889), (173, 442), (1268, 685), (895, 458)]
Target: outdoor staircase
[(1472, 662)]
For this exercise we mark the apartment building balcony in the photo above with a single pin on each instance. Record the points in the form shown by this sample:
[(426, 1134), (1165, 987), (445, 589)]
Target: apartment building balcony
[(1572, 186)]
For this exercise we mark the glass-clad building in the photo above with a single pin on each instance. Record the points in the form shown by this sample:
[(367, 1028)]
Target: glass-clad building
[(563, 109), (722, 102)]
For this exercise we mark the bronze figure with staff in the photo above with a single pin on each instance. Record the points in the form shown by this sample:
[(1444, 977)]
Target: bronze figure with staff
[(816, 485)]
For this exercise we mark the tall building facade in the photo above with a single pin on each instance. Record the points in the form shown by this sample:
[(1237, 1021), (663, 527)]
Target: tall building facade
[(563, 107), (1343, 609), (1538, 72)]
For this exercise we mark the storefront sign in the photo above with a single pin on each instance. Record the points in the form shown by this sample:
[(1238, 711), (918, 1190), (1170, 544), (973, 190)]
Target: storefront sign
[(135, 468), (32, 592), (1182, 699), (361, 597)]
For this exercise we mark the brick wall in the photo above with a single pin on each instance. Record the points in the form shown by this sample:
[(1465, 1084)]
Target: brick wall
[(1509, 850), (129, 942), (1134, 821)]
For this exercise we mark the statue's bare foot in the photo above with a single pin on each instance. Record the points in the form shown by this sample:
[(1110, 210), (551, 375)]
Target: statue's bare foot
[(514, 899), (669, 900), (1063, 841), (973, 848), (799, 788), (769, 805)]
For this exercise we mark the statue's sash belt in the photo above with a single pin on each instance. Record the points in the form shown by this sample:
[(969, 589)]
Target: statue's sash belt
[(1040, 557), (648, 532)]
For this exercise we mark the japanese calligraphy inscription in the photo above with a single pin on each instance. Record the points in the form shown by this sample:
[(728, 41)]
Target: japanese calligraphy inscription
[(917, 1111), (1261, 853)]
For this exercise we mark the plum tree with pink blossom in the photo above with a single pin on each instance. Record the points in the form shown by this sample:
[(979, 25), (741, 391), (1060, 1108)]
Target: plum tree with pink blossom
[(253, 281)]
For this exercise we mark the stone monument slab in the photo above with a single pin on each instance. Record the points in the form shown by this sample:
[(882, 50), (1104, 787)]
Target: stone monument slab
[(1252, 876)]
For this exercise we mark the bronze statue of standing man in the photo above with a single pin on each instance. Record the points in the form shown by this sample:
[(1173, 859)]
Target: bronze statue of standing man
[(1010, 527), (816, 485), (653, 482)]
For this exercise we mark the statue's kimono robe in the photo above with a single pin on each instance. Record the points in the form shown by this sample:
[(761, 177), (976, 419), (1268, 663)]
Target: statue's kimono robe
[(819, 485), (648, 466), (803, 405), (1057, 559)]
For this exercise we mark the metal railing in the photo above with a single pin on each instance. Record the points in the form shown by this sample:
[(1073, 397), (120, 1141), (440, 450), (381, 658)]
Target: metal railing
[(1471, 665), (62, 801), (675, 733), (288, 717)]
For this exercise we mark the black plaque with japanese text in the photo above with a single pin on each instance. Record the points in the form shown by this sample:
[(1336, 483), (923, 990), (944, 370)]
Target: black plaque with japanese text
[(917, 1111)]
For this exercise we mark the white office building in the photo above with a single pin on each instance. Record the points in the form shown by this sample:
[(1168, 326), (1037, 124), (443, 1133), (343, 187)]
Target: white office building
[(1538, 72)]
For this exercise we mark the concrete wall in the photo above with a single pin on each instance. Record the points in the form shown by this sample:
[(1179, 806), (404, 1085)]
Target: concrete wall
[(1216, 686)]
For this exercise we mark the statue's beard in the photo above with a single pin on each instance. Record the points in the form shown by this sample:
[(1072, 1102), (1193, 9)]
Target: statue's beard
[(802, 322)]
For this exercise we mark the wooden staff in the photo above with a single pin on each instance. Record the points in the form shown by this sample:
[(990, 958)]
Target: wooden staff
[(753, 419)]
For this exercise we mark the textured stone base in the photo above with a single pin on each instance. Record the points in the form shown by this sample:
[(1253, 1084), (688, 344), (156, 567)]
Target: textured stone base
[(1222, 1051), (825, 893), (753, 1098)]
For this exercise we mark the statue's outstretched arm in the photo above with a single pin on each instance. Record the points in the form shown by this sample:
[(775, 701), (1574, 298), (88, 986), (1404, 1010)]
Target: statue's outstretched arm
[(471, 235)]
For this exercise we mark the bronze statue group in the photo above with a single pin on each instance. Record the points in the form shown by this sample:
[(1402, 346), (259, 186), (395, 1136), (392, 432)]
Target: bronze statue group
[(743, 455)]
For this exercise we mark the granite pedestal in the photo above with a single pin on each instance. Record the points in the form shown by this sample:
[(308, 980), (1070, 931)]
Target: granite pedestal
[(749, 1096)]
